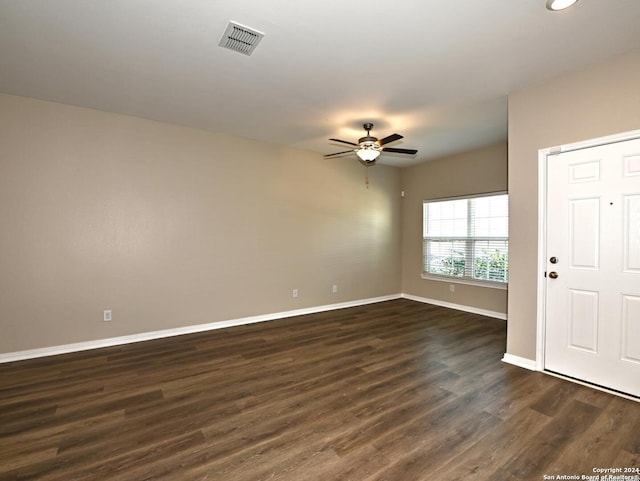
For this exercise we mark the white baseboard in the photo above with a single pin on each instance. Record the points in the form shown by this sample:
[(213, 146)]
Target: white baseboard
[(148, 336), (520, 362), (459, 307)]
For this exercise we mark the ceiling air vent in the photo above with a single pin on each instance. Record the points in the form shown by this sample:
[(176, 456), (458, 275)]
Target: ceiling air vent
[(240, 38)]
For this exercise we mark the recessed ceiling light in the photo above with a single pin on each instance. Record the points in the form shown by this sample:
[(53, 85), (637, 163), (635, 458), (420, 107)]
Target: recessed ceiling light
[(560, 4)]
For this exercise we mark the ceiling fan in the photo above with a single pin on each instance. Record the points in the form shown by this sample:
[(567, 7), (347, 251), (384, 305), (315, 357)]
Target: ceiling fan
[(369, 148)]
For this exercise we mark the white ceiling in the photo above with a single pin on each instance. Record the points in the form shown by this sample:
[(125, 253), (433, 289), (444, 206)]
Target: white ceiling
[(436, 71)]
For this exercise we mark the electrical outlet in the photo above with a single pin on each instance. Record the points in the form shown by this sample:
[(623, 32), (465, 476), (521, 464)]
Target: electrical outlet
[(452, 288), (335, 288), (106, 315), (294, 293)]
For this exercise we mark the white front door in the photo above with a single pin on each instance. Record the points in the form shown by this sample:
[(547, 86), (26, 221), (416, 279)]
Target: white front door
[(592, 327)]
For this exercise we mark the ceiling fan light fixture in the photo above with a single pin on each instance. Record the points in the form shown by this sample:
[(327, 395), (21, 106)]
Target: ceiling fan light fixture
[(556, 5), (368, 153)]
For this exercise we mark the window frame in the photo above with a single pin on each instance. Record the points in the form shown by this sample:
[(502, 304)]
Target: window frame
[(470, 241)]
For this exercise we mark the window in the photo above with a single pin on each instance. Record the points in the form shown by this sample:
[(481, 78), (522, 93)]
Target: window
[(467, 239)]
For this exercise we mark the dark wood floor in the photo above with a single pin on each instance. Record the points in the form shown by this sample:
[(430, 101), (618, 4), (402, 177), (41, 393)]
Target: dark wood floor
[(391, 391)]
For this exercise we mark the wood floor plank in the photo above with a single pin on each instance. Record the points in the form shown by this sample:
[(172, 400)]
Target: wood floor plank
[(501, 444), (602, 441), (397, 390), (21, 458), (536, 458)]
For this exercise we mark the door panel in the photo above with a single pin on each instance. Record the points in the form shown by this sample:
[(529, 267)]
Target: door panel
[(584, 233), (631, 328), (584, 172), (632, 233), (592, 318), (631, 165), (583, 320)]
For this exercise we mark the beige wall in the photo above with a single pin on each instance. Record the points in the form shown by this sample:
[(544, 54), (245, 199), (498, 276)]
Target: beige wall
[(601, 100), (171, 226), (475, 172)]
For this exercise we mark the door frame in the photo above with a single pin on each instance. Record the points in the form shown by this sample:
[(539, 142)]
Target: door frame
[(543, 155)]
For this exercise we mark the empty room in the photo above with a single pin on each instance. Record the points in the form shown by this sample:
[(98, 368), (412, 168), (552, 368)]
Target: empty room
[(350, 241)]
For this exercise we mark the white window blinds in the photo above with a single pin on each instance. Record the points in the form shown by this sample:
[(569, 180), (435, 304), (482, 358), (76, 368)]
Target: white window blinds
[(467, 238)]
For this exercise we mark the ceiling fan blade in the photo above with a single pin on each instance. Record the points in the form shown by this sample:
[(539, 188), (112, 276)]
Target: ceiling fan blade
[(344, 142), (400, 151), (338, 153), (390, 138)]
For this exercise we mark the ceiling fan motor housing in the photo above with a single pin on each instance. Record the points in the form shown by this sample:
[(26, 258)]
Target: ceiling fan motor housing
[(368, 141)]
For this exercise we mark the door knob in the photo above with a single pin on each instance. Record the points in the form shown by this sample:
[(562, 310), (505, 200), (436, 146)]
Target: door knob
[(553, 260), (553, 275)]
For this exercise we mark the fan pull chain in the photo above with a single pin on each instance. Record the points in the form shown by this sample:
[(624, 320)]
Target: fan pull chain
[(366, 176)]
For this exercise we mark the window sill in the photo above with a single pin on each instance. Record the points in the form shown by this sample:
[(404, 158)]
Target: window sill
[(468, 282)]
